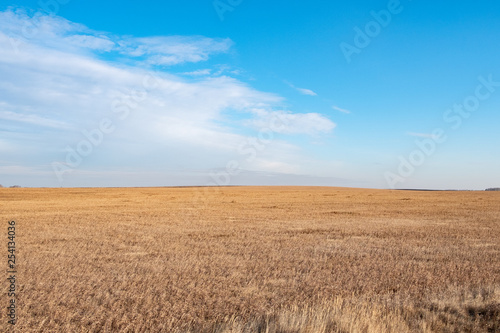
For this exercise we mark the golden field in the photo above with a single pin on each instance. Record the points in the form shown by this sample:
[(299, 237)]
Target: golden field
[(253, 259)]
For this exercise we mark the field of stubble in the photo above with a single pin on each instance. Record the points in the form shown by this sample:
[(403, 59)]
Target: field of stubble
[(254, 259)]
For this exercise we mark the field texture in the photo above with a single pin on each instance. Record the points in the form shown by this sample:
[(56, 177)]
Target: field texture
[(253, 259)]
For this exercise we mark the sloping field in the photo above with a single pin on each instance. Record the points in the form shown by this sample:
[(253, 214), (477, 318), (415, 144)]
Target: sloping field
[(253, 259)]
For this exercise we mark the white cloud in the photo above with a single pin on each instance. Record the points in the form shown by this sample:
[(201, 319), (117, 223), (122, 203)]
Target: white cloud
[(308, 123), (292, 123), (199, 72), (61, 34), (95, 43), (276, 166), (303, 91), (218, 71), (54, 82), (340, 109), (172, 50), (6, 146), (34, 120), (23, 170)]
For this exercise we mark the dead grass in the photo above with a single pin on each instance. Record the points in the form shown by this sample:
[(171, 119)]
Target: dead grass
[(255, 259)]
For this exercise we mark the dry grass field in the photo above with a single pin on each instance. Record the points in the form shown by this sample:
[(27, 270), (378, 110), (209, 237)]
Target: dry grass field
[(254, 259)]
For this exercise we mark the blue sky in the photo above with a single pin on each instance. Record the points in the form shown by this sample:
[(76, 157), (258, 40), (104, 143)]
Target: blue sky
[(379, 94)]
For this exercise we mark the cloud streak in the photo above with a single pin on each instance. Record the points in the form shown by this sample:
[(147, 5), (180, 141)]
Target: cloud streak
[(340, 109), (303, 91), (34, 120), (422, 135)]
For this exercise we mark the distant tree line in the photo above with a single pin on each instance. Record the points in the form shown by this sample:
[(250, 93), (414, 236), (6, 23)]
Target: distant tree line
[(493, 189)]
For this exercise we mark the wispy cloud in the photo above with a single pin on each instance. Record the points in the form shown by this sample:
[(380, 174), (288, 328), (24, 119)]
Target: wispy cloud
[(58, 82), (340, 109), (303, 91), (294, 123), (34, 120), (172, 50), (23, 170), (199, 72), (61, 34), (101, 43), (422, 135)]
